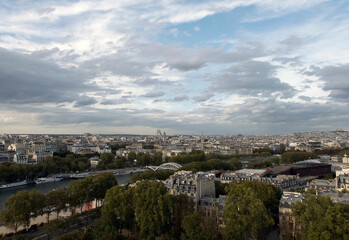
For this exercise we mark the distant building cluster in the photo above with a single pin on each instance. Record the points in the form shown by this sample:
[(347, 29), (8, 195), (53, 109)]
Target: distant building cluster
[(200, 187)]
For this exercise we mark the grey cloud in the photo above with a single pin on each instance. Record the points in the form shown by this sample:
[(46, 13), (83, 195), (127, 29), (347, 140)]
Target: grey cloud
[(184, 59), (305, 98), (336, 80), (45, 10), (292, 116), (24, 78), (251, 78), (290, 60), (152, 82), (85, 101), (292, 42), (203, 97), (153, 94), (118, 64), (123, 100), (186, 64), (45, 52), (180, 98)]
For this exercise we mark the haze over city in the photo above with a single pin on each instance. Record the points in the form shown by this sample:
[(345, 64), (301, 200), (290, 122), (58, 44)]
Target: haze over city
[(221, 67)]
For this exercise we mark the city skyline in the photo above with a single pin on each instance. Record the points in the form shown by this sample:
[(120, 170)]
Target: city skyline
[(131, 67)]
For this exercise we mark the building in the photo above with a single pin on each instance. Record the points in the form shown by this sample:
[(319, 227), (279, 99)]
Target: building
[(193, 185), (20, 158), (2, 147), (287, 221), (342, 181), (104, 149), (286, 182), (40, 157), (321, 184), (335, 196), (211, 210), (94, 161), (303, 168)]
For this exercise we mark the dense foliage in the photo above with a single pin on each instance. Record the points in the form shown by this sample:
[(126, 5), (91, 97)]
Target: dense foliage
[(267, 162), (319, 218), (183, 158), (22, 206), (212, 164), (249, 210), (149, 206), (194, 229), (17, 172), (291, 157)]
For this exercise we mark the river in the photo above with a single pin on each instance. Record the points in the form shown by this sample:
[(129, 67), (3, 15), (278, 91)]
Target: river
[(46, 187)]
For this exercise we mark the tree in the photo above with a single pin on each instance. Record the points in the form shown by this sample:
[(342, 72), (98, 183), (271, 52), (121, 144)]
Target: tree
[(143, 159), (191, 226), (131, 156), (153, 207), (107, 158), (56, 200), (236, 163), (101, 183), (291, 157), (118, 211), (79, 192), (157, 158), (319, 218), (37, 202), (183, 206), (151, 175), (20, 207), (245, 214)]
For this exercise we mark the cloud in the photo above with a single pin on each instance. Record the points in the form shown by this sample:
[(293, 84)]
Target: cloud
[(187, 64), (45, 52), (113, 65), (85, 101), (154, 94), (203, 97), (26, 79), (179, 98), (251, 78), (45, 10), (145, 82), (336, 79)]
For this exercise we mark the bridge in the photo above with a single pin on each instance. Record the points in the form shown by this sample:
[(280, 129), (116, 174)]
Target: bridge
[(165, 166)]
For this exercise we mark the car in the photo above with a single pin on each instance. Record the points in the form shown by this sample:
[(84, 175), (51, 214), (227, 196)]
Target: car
[(33, 228)]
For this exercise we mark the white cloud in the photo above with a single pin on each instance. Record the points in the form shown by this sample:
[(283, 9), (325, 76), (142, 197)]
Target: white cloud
[(123, 64)]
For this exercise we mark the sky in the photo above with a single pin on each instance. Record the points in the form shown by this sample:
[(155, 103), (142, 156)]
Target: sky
[(221, 67)]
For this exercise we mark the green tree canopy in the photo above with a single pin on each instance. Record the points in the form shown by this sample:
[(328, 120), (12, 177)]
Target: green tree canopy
[(320, 218), (118, 211), (56, 200), (151, 175), (153, 207), (191, 227), (107, 158), (101, 183), (20, 207), (291, 157), (245, 214)]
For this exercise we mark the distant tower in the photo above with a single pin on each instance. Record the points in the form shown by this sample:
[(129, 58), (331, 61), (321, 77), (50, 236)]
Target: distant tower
[(159, 134), (164, 137)]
